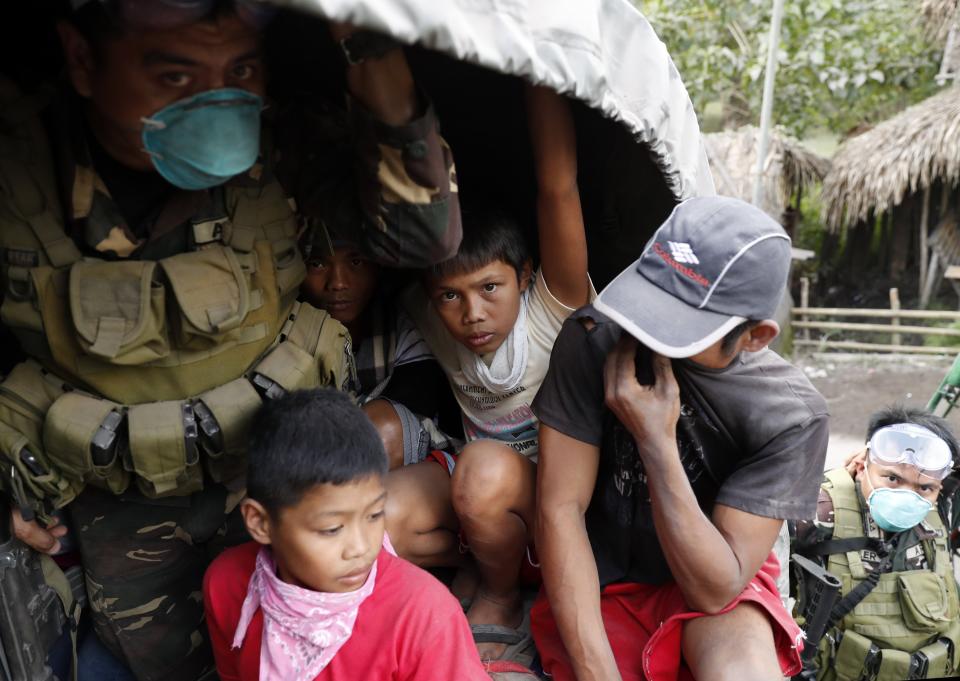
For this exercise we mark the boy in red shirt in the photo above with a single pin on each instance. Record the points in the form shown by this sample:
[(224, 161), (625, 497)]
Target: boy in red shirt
[(319, 593)]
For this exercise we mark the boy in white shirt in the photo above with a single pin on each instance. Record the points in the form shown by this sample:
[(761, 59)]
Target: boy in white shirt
[(491, 321)]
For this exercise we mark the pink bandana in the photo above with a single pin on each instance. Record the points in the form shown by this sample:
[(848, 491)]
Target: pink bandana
[(302, 629)]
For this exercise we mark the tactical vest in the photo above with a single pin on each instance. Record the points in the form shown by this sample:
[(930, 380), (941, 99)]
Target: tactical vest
[(909, 613), (142, 371)]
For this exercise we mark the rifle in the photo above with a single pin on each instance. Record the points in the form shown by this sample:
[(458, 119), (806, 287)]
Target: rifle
[(31, 613), (821, 590)]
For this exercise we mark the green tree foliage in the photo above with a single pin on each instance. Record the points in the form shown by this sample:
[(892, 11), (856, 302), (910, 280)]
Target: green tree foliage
[(842, 62)]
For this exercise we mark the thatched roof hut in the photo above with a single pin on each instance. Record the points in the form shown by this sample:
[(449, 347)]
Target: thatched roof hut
[(907, 154), (789, 167)]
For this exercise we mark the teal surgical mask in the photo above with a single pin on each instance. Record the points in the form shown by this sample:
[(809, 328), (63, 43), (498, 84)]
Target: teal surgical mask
[(896, 510), (204, 140)]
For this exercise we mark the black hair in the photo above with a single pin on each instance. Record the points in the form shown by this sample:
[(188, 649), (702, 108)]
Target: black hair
[(309, 438), (733, 335), (897, 413), (96, 24), (488, 236), (98, 21)]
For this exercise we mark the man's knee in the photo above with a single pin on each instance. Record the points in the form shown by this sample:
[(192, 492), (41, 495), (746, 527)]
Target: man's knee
[(418, 498), (385, 419), (485, 472), (737, 645)]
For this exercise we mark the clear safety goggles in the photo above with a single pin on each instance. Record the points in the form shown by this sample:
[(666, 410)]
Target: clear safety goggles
[(166, 14), (908, 443)]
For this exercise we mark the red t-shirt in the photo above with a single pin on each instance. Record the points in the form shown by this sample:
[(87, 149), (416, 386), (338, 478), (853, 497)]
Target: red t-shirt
[(409, 629)]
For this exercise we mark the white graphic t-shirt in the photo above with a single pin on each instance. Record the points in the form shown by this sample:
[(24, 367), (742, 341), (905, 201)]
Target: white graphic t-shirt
[(500, 416)]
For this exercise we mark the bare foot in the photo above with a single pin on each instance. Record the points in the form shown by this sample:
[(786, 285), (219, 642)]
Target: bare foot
[(486, 609)]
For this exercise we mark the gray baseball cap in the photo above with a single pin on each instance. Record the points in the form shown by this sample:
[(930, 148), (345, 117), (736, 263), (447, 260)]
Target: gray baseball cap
[(715, 262)]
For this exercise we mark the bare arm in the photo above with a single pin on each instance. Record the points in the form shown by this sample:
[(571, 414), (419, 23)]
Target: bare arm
[(563, 243), (712, 560), (566, 474)]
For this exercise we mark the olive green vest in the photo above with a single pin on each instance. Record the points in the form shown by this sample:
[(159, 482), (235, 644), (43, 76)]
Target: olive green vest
[(142, 371), (907, 612)]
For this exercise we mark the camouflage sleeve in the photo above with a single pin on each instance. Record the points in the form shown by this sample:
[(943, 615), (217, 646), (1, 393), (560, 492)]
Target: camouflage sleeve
[(408, 191)]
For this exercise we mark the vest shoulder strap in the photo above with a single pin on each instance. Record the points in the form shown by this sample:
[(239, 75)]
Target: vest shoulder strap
[(847, 513), (27, 181)]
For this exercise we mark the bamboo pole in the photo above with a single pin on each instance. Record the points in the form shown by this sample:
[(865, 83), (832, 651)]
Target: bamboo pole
[(924, 251), (876, 312), (929, 284), (877, 347), (894, 329), (895, 338), (805, 302), (766, 108)]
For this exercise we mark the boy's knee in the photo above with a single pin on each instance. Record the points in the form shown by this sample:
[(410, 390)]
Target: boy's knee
[(484, 471)]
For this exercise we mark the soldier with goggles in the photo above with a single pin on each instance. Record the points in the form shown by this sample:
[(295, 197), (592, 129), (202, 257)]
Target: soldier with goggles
[(877, 592)]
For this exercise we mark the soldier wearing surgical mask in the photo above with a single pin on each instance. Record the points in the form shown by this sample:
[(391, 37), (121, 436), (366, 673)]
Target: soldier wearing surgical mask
[(150, 271), (880, 534)]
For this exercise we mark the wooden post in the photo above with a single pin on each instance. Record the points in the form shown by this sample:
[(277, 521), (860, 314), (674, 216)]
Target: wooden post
[(928, 286), (924, 250), (805, 302), (895, 306)]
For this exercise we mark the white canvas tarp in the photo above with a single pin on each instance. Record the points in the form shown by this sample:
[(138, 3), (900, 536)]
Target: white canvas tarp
[(603, 52)]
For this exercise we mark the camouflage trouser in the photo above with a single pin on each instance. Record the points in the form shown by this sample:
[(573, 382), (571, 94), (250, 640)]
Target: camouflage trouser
[(144, 561)]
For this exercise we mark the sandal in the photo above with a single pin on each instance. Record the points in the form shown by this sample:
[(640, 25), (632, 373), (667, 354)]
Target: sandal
[(519, 641), (500, 670)]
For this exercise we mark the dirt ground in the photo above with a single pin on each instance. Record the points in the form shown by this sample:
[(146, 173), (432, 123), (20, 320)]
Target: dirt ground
[(857, 385)]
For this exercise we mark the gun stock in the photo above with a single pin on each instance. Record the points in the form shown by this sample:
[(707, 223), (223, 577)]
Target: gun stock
[(821, 592)]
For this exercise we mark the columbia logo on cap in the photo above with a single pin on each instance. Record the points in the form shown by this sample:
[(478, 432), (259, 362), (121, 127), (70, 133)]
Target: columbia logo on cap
[(682, 252)]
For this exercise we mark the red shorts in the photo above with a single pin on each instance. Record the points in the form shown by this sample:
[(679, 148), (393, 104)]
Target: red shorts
[(644, 624)]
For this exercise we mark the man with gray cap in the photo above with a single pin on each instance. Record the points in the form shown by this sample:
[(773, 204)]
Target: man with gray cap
[(673, 444)]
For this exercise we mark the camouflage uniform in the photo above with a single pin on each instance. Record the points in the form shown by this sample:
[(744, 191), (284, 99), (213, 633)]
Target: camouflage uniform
[(145, 557)]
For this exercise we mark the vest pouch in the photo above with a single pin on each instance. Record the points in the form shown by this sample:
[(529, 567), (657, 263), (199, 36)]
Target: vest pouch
[(118, 312), (851, 656), (894, 665), (289, 367), (924, 601), (291, 270), (163, 448), (25, 397), (69, 431), (232, 407), (937, 657), (322, 336), (212, 294), (31, 474)]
